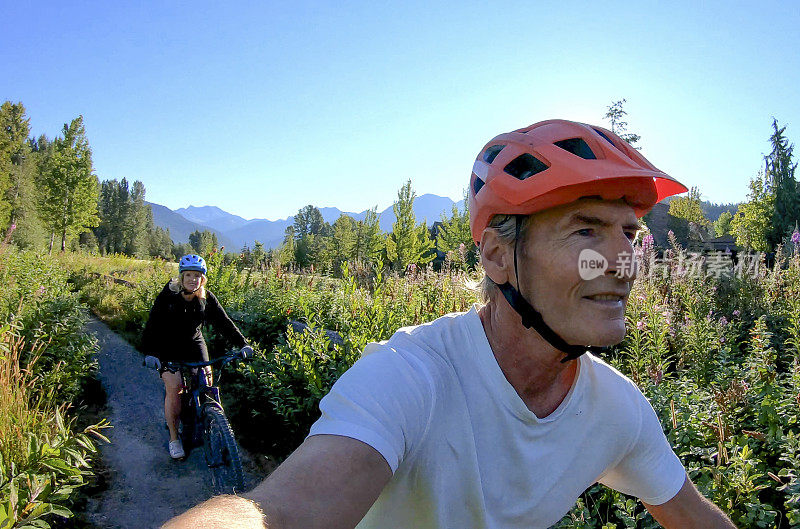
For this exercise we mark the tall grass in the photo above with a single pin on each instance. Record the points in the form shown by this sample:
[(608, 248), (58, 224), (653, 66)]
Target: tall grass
[(45, 364), (22, 409)]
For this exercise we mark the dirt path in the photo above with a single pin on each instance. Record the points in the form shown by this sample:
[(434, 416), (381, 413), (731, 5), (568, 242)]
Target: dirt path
[(146, 486)]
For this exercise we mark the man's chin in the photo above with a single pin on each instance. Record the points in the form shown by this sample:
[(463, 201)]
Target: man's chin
[(611, 335)]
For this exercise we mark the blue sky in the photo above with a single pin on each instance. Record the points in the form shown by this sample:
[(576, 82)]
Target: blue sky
[(263, 107)]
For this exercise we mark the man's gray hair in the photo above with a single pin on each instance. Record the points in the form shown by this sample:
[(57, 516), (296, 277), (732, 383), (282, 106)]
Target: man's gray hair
[(506, 228)]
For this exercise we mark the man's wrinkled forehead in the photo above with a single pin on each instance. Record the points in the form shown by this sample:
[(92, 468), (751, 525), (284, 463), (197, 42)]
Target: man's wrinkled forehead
[(598, 212)]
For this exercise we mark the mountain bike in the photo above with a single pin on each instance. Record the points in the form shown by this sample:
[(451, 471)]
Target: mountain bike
[(204, 423)]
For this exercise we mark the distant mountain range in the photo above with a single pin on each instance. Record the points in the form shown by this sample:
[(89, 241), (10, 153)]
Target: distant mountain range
[(235, 232)]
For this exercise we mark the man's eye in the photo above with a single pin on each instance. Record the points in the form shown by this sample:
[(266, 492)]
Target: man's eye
[(585, 232)]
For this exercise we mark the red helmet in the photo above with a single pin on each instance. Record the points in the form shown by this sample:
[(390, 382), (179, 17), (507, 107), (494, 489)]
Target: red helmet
[(555, 162)]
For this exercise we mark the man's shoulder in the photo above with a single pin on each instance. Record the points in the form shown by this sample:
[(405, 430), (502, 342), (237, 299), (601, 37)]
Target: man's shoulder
[(433, 337), (608, 380), (428, 347)]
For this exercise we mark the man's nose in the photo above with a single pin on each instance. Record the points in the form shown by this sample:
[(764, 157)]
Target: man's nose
[(622, 261)]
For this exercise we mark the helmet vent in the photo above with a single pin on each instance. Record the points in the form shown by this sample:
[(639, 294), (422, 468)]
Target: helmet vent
[(600, 132), (491, 153), (578, 147), (524, 166), (477, 185)]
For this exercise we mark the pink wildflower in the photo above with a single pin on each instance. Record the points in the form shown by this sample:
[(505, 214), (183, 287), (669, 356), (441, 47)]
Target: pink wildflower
[(736, 313), (640, 325), (647, 243)]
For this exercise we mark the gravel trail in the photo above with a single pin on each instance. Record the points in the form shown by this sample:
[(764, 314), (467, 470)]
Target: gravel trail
[(146, 487)]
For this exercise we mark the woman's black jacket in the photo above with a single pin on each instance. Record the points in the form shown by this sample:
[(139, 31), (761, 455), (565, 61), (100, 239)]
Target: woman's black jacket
[(173, 330)]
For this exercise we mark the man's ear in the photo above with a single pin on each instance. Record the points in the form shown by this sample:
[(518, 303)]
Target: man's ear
[(497, 257)]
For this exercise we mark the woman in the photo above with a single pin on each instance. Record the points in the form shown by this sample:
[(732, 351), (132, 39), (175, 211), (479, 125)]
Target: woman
[(173, 333)]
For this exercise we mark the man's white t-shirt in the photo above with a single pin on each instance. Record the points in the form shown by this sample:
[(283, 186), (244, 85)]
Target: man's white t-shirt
[(467, 453)]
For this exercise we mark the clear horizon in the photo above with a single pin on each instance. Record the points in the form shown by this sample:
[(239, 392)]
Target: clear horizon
[(262, 109)]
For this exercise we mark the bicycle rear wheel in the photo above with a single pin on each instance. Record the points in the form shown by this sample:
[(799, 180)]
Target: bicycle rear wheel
[(222, 454)]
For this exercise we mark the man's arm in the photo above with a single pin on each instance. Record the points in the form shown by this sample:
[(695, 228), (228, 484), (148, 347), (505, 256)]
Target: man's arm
[(689, 510), (329, 481)]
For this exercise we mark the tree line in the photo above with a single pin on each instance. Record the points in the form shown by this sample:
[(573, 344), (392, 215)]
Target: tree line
[(768, 218), (312, 243), (51, 197)]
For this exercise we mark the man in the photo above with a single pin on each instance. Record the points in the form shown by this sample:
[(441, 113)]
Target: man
[(496, 418)]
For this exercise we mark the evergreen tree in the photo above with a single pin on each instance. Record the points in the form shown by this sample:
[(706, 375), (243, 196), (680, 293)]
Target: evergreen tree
[(780, 180), (68, 187), (14, 153), (369, 241), (18, 170), (159, 241), (115, 212), (259, 256), (752, 222), (455, 238), (179, 250), (616, 115), (286, 254), (310, 233), (408, 243), (202, 243), (342, 241), (137, 224), (309, 221)]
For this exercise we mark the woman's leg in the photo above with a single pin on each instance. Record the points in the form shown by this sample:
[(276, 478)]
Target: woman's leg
[(172, 402)]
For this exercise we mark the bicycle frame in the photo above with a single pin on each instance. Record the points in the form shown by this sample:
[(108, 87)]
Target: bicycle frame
[(196, 388), (207, 425)]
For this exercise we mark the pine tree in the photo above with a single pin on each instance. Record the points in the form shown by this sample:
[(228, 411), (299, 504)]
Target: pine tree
[(15, 174), (159, 241), (203, 242), (137, 225), (115, 211), (369, 241), (408, 243), (68, 187), (779, 178), (616, 114)]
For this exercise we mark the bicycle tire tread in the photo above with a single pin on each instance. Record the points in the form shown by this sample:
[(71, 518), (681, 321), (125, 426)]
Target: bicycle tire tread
[(229, 478)]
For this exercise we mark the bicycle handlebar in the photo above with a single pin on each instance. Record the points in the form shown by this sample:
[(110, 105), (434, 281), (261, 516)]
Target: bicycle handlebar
[(222, 360)]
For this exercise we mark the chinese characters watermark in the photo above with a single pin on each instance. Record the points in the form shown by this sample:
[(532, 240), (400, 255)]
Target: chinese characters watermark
[(592, 264)]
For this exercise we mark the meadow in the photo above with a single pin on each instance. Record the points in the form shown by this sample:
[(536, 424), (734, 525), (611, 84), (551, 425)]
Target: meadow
[(716, 354)]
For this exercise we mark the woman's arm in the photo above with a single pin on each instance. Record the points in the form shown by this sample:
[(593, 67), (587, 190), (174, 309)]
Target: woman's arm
[(217, 316), (153, 333)]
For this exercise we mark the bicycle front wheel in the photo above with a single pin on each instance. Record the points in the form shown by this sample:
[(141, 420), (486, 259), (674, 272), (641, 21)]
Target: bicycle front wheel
[(222, 454)]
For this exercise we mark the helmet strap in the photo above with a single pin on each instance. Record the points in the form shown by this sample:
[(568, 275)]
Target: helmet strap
[(531, 318)]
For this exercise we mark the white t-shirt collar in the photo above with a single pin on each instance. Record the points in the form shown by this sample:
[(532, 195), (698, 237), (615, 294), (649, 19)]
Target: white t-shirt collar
[(501, 387)]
